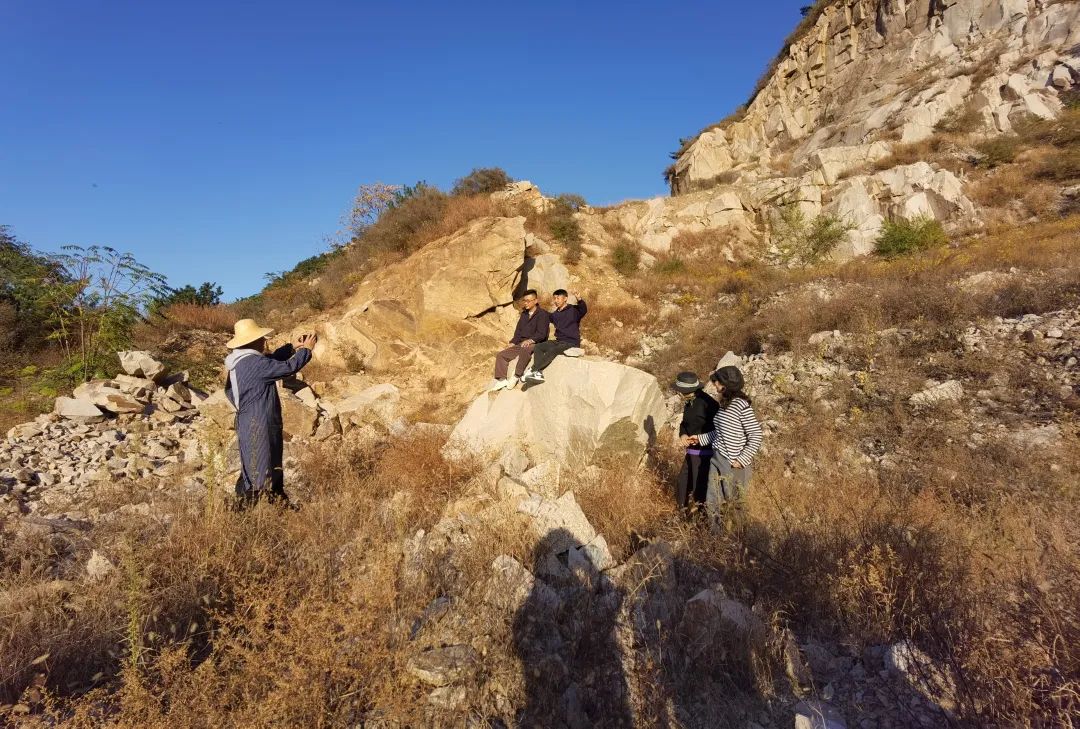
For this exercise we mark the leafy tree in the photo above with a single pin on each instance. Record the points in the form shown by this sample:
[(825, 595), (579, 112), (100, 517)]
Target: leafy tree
[(208, 294), (24, 276), (95, 306), (482, 180)]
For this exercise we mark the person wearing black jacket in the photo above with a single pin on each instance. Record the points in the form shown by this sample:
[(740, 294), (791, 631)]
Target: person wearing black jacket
[(567, 320), (699, 410), (532, 328)]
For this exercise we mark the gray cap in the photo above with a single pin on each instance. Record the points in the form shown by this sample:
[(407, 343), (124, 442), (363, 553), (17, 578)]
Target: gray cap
[(686, 383)]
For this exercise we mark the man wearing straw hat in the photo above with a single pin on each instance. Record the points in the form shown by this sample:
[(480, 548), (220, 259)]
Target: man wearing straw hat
[(252, 390)]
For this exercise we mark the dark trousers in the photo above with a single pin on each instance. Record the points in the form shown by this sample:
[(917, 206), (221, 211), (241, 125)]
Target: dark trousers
[(546, 352), (693, 481), (505, 357)]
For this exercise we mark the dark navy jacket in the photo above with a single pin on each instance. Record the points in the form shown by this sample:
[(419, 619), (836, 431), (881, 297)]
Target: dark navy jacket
[(533, 327), (567, 322)]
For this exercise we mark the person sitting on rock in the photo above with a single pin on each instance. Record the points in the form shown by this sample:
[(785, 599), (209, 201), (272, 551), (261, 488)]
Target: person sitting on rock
[(531, 329), (251, 387), (735, 439), (699, 412), (567, 320)]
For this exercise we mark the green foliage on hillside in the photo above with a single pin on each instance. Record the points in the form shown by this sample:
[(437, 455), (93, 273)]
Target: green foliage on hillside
[(564, 228), (909, 235), (799, 240), (25, 276), (481, 181)]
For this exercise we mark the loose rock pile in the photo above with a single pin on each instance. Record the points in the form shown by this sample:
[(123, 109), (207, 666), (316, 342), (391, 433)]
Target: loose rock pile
[(138, 426)]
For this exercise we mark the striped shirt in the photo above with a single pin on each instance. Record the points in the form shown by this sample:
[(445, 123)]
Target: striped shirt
[(736, 433)]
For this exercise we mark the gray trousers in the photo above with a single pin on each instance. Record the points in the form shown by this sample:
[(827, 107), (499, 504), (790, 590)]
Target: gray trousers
[(727, 486)]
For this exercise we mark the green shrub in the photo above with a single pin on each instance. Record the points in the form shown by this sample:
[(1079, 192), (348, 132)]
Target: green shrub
[(625, 259), (567, 203), (909, 235), (564, 228), (669, 266), (26, 278), (414, 208), (482, 181), (567, 230), (801, 241), (999, 150)]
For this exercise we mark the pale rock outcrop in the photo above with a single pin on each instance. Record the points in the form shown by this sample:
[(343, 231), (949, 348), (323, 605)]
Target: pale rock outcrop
[(432, 307), (523, 192), (586, 407), (936, 394), (377, 404), (545, 273), (559, 523), (908, 191), (141, 364), (867, 67), (98, 566), (835, 161), (655, 223), (298, 419), (511, 586)]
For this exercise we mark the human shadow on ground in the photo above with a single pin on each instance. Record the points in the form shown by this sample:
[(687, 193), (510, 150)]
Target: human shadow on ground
[(565, 634)]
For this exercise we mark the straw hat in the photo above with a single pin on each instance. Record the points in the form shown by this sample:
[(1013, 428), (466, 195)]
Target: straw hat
[(247, 331)]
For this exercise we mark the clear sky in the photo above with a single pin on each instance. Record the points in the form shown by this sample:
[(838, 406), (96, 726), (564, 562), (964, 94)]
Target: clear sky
[(219, 140)]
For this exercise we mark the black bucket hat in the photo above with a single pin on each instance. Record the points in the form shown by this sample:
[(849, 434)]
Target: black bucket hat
[(686, 383), (730, 377)]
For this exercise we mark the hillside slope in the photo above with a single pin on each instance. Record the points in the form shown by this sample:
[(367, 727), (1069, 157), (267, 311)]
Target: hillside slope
[(908, 552)]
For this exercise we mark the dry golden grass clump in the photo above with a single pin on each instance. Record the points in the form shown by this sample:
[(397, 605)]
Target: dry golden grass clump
[(236, 619)]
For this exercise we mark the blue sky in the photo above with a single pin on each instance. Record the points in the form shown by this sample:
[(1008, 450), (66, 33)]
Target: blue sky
[(219, 140)]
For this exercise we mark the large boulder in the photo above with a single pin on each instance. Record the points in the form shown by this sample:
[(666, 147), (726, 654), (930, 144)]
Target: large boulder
[(585, 409), (141, 364)]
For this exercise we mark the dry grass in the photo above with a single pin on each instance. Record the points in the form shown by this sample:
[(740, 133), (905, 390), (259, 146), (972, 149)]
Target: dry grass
[(179, 317), (226, 619), (772, 310), (1011, 189)]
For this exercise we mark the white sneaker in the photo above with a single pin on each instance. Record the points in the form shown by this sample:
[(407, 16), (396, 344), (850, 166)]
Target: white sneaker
[(497, 385), (537, 376), (574, 352), (511, 382)]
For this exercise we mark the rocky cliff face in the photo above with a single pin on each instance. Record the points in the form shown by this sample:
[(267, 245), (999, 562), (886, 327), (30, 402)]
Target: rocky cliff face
[(861, 79), (889, 70)]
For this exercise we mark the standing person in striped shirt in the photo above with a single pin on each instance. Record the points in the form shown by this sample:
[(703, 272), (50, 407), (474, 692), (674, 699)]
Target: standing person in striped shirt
[(735, 440)]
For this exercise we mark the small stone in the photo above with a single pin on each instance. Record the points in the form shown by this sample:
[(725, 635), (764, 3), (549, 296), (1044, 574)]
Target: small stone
[(1054, 333), (98, 567), (441, 666), (817, 715)]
